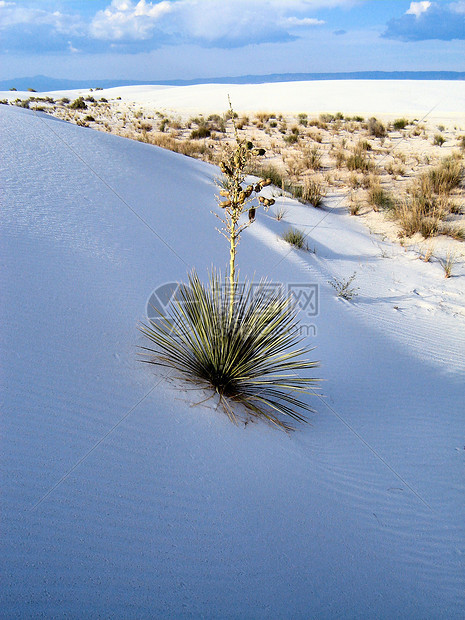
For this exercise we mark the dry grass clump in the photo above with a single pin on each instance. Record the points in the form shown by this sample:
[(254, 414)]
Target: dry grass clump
[(296, 238), (269, 171), (359, 160), (376, 128), (448, 263), (445, 177), (185, 147), (313, 192), (311, 158), (427, 202), (400, 123), (378, 197), (438, 140)]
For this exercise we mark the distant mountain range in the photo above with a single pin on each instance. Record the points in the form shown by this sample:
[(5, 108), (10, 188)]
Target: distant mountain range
[(43, 83)]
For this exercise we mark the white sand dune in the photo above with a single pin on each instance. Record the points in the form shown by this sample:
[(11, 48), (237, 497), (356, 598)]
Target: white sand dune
[(443, 100), (120, 499)]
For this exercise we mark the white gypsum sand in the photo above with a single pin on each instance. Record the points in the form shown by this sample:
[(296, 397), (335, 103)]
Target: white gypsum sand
[(177, 512)]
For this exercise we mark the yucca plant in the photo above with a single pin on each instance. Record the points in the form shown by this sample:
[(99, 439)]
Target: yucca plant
[(249, 356), (239, 341)]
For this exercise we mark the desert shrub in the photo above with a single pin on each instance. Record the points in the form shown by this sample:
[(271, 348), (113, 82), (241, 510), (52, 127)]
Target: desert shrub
[(296, 238), (363, 145), (462, 143), (344, 288), (291, 138), (452, 231), (303, 119), (103, 100), (418, 212), (316, 136), (445, 177), (201, 132), (317, 123), (379, 198), (311, 158), (164, 123), (89, 118), (358, 160), (376, 128), (340, 158), (354, 206), (400, 123), (78, 104), (269, 171), (438, 140), (64, 100)]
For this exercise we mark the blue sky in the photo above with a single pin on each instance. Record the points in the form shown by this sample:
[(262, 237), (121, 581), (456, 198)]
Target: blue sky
[(169, 39)]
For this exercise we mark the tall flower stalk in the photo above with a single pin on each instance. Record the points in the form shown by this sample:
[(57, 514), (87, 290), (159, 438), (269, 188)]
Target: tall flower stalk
[(235, 199)]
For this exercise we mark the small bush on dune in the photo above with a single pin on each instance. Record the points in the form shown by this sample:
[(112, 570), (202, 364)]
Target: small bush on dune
[(359, 160), (376, 128), (344, 288), (379, 198), (296, 238), (270, 172), (78, 104), (202, 132), (445, 177), (400, 123), (438, 140)]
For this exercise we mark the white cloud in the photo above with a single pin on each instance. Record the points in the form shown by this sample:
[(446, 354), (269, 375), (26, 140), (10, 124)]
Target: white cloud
[(417, 8), (305, 21), (458, 7), (140, 25), (206, 20), (11, 14), (124, 20)]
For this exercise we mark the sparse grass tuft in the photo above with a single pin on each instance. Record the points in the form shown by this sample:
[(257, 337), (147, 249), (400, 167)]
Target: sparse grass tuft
[(296, 238), (438, 140), (448, 263), (313, 192), (280, 213), (344, 288), (379, 198)]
